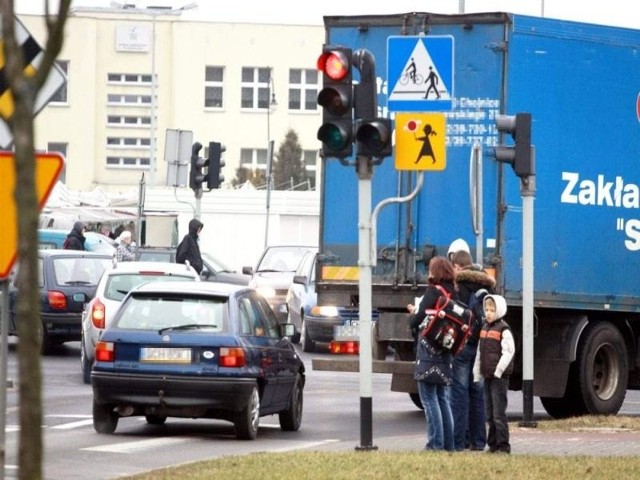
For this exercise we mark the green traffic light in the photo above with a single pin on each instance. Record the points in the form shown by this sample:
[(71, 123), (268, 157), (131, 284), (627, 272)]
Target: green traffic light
[(333, 136)]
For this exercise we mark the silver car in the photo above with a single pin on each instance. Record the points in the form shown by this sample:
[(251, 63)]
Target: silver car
[(114, 285)]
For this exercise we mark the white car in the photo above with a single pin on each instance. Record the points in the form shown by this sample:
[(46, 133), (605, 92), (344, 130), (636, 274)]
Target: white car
[(115, 283)]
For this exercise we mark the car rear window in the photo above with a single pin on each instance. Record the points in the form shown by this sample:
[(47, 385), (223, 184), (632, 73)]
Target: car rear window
[(154, 312), (119, 285), (79, 270)]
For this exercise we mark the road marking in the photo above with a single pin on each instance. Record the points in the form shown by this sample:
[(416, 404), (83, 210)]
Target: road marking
[(302, 445), (138, 445), (69, 426)]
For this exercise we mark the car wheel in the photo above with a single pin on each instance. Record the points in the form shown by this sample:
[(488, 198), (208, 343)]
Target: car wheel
[(84, 362), (296, 337), (153, 419), (46, 347), (308, 345), (247, 420), (291, 418), (105, 418)]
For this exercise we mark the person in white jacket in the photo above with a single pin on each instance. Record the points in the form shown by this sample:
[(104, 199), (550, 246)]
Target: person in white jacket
[(494, 363)]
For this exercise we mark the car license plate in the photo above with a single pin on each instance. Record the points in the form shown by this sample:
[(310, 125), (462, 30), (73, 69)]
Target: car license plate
[(165, 355)]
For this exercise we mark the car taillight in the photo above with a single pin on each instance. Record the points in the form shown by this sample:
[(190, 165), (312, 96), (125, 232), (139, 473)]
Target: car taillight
[(231, 357), (98, 314), (57, 300), (345, 348), (105, 352)]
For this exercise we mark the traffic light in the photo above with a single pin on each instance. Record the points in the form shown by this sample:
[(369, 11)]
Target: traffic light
[(198, 164), (336, 98), (519, 155), (214, 176), (374, 137)]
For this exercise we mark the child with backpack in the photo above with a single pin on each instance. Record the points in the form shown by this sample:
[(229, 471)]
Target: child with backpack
[(467, 397), (494, 363)]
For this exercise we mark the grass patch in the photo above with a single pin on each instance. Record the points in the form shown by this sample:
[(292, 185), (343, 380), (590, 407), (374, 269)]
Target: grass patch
[(379, 465), (401, 466)]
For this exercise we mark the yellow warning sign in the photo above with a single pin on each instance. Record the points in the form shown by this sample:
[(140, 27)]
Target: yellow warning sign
[(421, 141), (48, 168)]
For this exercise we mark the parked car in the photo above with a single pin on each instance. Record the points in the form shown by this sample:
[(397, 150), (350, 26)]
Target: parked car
[(313, 322), (116, 282), (273, 274), (67, 281), (95, 242), (213, 270), (197, 350)]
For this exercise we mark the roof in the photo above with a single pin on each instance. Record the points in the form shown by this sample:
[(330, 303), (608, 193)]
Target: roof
[(52, 252), (198, 288), (125, 267)]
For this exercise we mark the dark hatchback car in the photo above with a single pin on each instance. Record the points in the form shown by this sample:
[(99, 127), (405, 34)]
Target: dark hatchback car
[(67, 280), (197, 350)]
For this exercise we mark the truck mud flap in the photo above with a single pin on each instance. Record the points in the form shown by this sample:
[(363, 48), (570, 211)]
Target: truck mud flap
[(353, 365)]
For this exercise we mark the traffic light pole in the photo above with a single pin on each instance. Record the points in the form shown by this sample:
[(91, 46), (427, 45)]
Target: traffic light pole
[(364, 170), (527, 191)]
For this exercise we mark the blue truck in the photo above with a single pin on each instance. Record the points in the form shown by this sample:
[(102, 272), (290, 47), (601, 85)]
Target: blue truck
[(581, 84)]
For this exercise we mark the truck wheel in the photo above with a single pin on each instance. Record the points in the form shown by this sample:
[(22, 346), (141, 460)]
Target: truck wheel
[(415, 398), (247, 420), (603, 369), (296, 337)]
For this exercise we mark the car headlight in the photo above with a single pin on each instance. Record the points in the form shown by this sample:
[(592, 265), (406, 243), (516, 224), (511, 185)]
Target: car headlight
[(324, 311), (266, 292)]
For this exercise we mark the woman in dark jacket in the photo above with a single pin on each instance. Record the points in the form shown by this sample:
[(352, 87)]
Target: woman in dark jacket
[(75, 239), (433, 365)]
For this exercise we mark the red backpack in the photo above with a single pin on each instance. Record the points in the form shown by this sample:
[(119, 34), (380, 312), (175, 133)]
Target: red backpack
[(450, 323)]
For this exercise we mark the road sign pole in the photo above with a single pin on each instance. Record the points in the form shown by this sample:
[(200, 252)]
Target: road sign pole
[(4, 345)]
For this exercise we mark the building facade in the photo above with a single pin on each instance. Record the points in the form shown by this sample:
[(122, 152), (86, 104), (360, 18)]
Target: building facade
[(134, 74)]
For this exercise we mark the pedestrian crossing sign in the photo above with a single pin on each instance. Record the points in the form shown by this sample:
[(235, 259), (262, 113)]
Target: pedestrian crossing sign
[(420, 73), (421, 141)]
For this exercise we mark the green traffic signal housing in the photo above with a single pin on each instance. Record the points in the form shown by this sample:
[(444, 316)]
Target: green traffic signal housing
[(214, 177), (519, 155), (336, 99)]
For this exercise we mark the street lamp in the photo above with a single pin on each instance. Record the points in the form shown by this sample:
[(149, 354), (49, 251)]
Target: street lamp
[(271, 99), (154, 12)]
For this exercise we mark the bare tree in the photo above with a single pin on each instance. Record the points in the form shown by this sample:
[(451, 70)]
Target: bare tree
[(24, 89)]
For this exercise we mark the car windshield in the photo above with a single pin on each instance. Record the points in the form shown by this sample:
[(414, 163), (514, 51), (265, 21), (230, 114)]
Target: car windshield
[(79, 270), (117, 286), (175, 312), (282, 259), (215, 264)]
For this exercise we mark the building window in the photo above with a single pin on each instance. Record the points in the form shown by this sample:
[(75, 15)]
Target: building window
[(128, 100), (62, 149), (310, 160), (61, 94), (128, 121), (128, 162), (303, 89), (255, 87), (213, 83), (253, 159), (141, 79), (128, 142)]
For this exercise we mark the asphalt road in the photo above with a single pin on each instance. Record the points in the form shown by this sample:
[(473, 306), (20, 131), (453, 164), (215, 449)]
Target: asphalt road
[(331, 420)]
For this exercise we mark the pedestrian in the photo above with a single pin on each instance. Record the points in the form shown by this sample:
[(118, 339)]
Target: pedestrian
[(494, 364), (467, 398), (189, 248), (433, 365), (75, 238), (459, 244), (124, 252)]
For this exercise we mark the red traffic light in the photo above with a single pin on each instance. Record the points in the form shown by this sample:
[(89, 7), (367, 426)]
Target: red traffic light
[(334, 64)]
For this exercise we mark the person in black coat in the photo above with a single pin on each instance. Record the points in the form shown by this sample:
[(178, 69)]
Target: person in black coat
[(189, 248), (75, 239)]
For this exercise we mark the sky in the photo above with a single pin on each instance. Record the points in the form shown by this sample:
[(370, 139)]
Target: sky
[(310, 12)]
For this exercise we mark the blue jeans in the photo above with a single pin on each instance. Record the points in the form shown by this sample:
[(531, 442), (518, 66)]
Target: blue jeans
[(495, 399), (467, 402), (435, 401)]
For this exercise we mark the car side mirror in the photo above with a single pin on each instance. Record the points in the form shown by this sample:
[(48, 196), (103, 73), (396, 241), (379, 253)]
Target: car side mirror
[(301, 279), (247, 270), (287, 330)]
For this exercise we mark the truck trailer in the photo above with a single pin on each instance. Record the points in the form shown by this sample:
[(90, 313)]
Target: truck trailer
[(581, 84)]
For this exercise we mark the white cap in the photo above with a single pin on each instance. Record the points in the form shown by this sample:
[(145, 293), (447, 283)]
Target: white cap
[(458, 245)]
